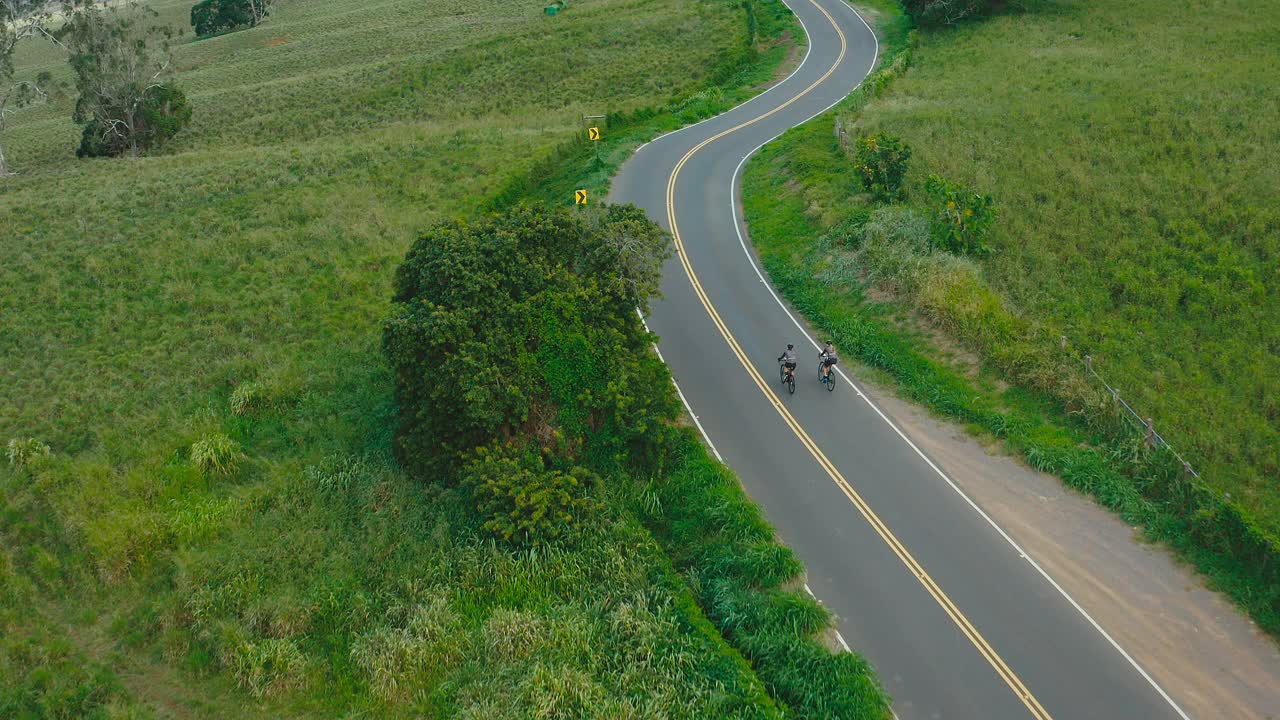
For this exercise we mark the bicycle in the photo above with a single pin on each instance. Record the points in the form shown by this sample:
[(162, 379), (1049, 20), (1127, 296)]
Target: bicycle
[(825, 377), (788, 377)]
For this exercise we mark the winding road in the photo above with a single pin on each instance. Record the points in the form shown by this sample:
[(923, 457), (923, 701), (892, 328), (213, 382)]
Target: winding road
[(957, 619)]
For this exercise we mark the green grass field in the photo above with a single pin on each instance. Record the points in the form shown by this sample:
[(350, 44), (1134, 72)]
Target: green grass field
[(1132, 149), (255, 254)]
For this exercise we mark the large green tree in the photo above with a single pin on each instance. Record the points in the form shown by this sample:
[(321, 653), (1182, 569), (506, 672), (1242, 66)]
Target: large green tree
[(123, 64), (519, 334)]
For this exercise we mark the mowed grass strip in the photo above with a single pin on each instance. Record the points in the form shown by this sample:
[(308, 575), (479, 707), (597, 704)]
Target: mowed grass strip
[(225, 296), (1133, 151)]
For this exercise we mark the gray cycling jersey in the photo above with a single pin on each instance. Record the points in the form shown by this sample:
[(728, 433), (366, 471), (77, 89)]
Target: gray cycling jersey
[(828, 354), (787, 356)]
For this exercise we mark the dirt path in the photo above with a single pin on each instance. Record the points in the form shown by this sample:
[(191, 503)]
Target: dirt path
[(1204, 652)]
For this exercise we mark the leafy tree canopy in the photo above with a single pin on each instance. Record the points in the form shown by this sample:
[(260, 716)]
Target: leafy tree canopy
[(522, 329)]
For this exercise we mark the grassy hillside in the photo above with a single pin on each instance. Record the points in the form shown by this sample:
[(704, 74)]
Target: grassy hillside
[(978, 340), (234, 285), (1132, 149), (270, 229)]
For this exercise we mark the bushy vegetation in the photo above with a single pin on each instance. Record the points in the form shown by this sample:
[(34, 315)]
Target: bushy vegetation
[(524, 325), (161, 112), (26, 452), (881, 162), (215, 454), (259, 250), (945, 12), (797, 195), (525, 502), (962, 217), (210, 17)]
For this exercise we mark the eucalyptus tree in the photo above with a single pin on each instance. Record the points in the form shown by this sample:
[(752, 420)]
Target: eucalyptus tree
[(123, 64)]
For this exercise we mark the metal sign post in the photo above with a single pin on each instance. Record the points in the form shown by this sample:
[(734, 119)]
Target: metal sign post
[(593, 133)]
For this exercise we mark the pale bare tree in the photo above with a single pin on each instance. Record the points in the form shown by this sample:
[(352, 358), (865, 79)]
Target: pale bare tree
[(260, 9), (120, 56), (21, 20)]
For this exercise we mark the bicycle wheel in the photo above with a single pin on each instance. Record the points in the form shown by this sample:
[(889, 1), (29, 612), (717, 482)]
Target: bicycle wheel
[(782, 373), (831, 381), (791, 383)]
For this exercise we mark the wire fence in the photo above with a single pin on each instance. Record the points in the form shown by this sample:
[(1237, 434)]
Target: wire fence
[(1146, 425)]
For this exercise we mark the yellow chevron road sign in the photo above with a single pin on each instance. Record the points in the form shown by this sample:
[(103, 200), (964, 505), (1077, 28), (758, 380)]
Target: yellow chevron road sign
[(579, 197)]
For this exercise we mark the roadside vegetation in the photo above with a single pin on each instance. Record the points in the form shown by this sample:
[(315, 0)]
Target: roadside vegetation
[(1040, 186), (201, 511)]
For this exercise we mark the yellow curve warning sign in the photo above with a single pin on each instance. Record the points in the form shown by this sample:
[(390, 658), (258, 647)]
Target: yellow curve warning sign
[(593, 133), (579, 197)]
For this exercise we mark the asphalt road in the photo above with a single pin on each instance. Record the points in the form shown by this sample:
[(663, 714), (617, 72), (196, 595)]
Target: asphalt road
[(956, 619)]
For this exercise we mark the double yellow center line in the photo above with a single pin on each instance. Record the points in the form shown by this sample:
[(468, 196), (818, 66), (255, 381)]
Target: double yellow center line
[(984, 648)]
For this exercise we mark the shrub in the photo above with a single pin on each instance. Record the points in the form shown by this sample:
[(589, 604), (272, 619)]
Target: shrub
[(216, 454), (963, 217), (525, 502), (269, 667), (164, 112), (338, 474), (27, 453), (396, 660), (881, 162), (248, 398), (524, 326), (217, 16), (945, 12)]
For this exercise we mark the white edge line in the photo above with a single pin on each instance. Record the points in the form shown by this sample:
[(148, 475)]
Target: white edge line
[(775, 86), (733, 205), (839, 637), (808, 49), (683, 399), (844, 644)]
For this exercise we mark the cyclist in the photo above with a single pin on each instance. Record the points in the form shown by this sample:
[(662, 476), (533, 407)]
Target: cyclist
[(827, 359), (788, 358)]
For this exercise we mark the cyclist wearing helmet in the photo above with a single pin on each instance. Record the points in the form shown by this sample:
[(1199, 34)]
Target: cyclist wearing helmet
[(826, 360), (788, 358)]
